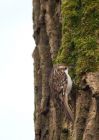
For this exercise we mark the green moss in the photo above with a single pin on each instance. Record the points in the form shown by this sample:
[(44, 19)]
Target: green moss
[(80, 32)]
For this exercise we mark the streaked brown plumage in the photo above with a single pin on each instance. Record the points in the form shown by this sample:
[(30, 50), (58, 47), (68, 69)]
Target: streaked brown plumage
[(59, 85)]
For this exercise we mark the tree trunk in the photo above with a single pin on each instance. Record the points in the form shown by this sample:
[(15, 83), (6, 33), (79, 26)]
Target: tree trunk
[(62, 36)]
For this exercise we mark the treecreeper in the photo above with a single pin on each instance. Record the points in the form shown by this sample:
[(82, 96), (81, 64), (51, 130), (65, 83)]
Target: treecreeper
[(61, 84)]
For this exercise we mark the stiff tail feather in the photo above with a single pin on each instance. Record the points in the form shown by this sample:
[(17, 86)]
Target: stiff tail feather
[(68, 111)]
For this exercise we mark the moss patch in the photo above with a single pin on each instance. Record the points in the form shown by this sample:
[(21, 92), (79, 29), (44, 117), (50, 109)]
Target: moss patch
[(80, 34)]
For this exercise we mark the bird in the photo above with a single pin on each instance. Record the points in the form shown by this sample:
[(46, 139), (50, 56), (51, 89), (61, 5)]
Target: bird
[(61, 83)]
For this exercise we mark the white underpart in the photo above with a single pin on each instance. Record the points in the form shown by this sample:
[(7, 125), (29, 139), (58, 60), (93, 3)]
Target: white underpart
[(69, 82)]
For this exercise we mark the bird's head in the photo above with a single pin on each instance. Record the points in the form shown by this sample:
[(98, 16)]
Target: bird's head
[(64, 67), (61, 67)]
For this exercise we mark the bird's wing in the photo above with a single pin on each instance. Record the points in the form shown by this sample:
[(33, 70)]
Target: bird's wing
[(58, 80)]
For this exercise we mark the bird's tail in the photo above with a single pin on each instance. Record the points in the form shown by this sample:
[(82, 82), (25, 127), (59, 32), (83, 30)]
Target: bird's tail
[(68, 111)]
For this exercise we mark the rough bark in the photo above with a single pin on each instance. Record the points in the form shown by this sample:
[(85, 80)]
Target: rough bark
[(50, 121), (47, 34)]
